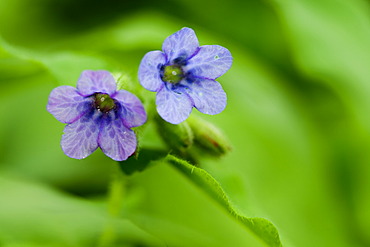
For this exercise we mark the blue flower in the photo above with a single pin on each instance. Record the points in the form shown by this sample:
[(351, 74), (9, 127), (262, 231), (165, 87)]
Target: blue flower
[(97, 116), (184, 75)]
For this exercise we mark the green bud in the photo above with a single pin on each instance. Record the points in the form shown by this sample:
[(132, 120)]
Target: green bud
[(178, 137), (208, 137), (172, 74)]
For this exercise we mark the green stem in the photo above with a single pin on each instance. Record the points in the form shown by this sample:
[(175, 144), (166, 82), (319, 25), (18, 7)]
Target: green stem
[(115, 200)]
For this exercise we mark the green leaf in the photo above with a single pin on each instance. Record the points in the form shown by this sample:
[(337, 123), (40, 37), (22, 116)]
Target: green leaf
[(64, 66), (329, 41), (32, 214), (15, 67), (261, 227), (190, 210)]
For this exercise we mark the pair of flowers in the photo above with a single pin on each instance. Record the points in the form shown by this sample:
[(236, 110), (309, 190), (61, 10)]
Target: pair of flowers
[(99, 115)]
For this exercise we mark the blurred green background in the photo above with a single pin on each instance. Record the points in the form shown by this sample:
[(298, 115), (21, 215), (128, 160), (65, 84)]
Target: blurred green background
[(297, 117)]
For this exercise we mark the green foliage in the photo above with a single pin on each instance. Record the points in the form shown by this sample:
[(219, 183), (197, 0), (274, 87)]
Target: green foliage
[(261, 227), (186, 213), (52, 218), (204, 182)]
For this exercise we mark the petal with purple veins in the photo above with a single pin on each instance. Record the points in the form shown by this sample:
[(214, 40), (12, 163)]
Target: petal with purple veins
[(80, 138), (149, 70), (67, 105), (172, 106), (183, 44), (99, 81), (210, 62), (115, 140), (131, 109), (208, 96)]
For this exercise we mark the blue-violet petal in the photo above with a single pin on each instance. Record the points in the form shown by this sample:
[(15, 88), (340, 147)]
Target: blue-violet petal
[(208, 96), (210, 62), (173, 107), (183, 43), (115, 140), (80, 138), (131, 110), (149, 70), (66, 105), (99, 81)]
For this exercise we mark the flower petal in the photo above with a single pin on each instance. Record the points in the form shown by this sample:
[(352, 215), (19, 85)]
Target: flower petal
[(99, 81), (149, 70), (173, 107), (131, 109), (183, 43), (67, 105), (210, 62), (80, 138), (115, 140), (208, 96)]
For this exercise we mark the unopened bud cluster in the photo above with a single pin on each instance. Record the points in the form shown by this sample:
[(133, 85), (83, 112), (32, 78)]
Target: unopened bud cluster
[(193, 137)]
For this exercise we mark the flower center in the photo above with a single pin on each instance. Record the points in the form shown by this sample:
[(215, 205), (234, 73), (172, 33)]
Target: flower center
[(172, 74), (103, 102)]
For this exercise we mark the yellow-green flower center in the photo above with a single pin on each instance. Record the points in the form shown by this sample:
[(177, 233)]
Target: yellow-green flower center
[(104, 103), (172, 74)]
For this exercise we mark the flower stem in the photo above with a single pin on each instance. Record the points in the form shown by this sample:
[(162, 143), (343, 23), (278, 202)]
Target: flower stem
[(115, 200)]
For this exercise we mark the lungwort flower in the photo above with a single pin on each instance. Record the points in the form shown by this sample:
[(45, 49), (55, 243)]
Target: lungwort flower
[(184, 75), (97, 116)]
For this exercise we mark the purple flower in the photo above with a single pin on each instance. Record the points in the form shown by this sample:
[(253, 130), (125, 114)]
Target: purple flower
[(97, 116), (184, 75)]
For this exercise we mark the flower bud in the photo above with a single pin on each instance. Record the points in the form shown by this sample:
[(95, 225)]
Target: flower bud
[(178, 137), (208, 137)]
